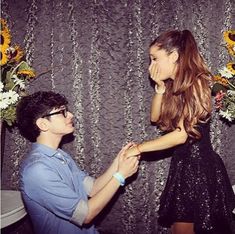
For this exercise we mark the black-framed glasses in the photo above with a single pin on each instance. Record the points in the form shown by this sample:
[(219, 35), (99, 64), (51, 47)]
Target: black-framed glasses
[(64, 112)]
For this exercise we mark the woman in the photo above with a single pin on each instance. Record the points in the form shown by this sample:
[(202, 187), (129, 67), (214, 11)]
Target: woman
[(198, 196)]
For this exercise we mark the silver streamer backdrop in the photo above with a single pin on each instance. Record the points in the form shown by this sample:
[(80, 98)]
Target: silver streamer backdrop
[(95, 52)]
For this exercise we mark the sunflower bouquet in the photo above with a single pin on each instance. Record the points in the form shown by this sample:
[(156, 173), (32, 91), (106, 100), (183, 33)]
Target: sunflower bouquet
[(224, 82), (15, 75)]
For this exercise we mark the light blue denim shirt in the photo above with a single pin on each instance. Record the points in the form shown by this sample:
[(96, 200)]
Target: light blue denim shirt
[(55, 191)]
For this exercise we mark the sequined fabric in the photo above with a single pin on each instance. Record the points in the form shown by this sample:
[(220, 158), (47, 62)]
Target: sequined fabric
[(198, 189)]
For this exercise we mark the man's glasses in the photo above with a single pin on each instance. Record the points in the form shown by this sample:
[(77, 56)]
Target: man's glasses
[(64, 112)]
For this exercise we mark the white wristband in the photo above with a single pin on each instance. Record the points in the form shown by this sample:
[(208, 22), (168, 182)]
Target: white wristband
[(120, 178), (160, 92)]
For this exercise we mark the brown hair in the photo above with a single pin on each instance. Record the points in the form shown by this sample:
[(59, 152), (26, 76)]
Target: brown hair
[(190, 87)]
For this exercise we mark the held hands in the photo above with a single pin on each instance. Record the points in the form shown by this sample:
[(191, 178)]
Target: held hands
[(133, 151), (127, 166)]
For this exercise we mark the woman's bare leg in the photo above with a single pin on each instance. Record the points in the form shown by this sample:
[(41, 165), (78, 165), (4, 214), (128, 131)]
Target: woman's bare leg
[(182, 228)]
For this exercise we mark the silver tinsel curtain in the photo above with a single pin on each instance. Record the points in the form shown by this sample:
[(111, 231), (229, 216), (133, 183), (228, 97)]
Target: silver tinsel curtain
[(95, 52)]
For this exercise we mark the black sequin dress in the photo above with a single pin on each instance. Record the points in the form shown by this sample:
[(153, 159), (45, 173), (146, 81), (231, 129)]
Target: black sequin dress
[(198, 189)]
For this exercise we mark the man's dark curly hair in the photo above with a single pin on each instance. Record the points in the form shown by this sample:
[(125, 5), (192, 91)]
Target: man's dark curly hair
[(32, 107)]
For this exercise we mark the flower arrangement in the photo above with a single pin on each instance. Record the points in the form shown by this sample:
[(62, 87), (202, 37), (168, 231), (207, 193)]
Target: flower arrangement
[(15, 75), (224, 86)]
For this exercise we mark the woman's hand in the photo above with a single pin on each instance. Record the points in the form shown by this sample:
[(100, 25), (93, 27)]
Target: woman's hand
[(155, 74), (132, 151)]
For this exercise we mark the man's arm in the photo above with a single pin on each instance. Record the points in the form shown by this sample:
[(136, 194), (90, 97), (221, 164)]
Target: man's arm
[(126, 167), (100, 200), (102, 180)]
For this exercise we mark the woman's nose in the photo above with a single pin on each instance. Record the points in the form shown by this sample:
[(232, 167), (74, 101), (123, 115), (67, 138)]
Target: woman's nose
[(150, 65)]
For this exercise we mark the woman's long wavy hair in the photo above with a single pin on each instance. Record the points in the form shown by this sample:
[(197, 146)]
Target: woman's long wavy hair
[(189, 94)]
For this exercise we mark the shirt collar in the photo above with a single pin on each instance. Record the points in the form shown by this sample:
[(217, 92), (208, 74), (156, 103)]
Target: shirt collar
[(45, 149)]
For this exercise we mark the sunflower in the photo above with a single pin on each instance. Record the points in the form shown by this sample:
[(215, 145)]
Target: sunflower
[(231, 67), (231, 49), (3, 24), (5, 40), (29, 73), (229, 37), (19, 53), (220, 80), (5, 35), (15, 53), (3, 57)]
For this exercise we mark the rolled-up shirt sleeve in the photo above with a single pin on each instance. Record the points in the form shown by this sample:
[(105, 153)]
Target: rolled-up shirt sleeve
[(81, 210), (80, 213), (88, 183)]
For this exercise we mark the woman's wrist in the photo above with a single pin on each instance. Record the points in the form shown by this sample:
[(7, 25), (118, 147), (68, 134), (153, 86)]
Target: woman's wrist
[(160, 89), (138, 149)]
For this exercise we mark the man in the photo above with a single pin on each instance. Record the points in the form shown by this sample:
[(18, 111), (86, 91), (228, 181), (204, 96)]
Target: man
[(59, 197)]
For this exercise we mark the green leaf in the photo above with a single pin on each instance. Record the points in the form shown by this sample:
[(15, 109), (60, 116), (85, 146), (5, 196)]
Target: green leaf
[(25, 66), (9, 115), (9, 81)]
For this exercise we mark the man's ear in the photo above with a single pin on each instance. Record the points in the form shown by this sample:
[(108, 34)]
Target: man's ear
[(42, 124), (174, 56)]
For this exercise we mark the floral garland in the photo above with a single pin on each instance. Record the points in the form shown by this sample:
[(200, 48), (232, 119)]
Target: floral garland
[(15, 75), (224, 86)]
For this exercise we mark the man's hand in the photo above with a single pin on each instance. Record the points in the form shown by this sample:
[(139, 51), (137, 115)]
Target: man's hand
[(127, 166), (120, 154)]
